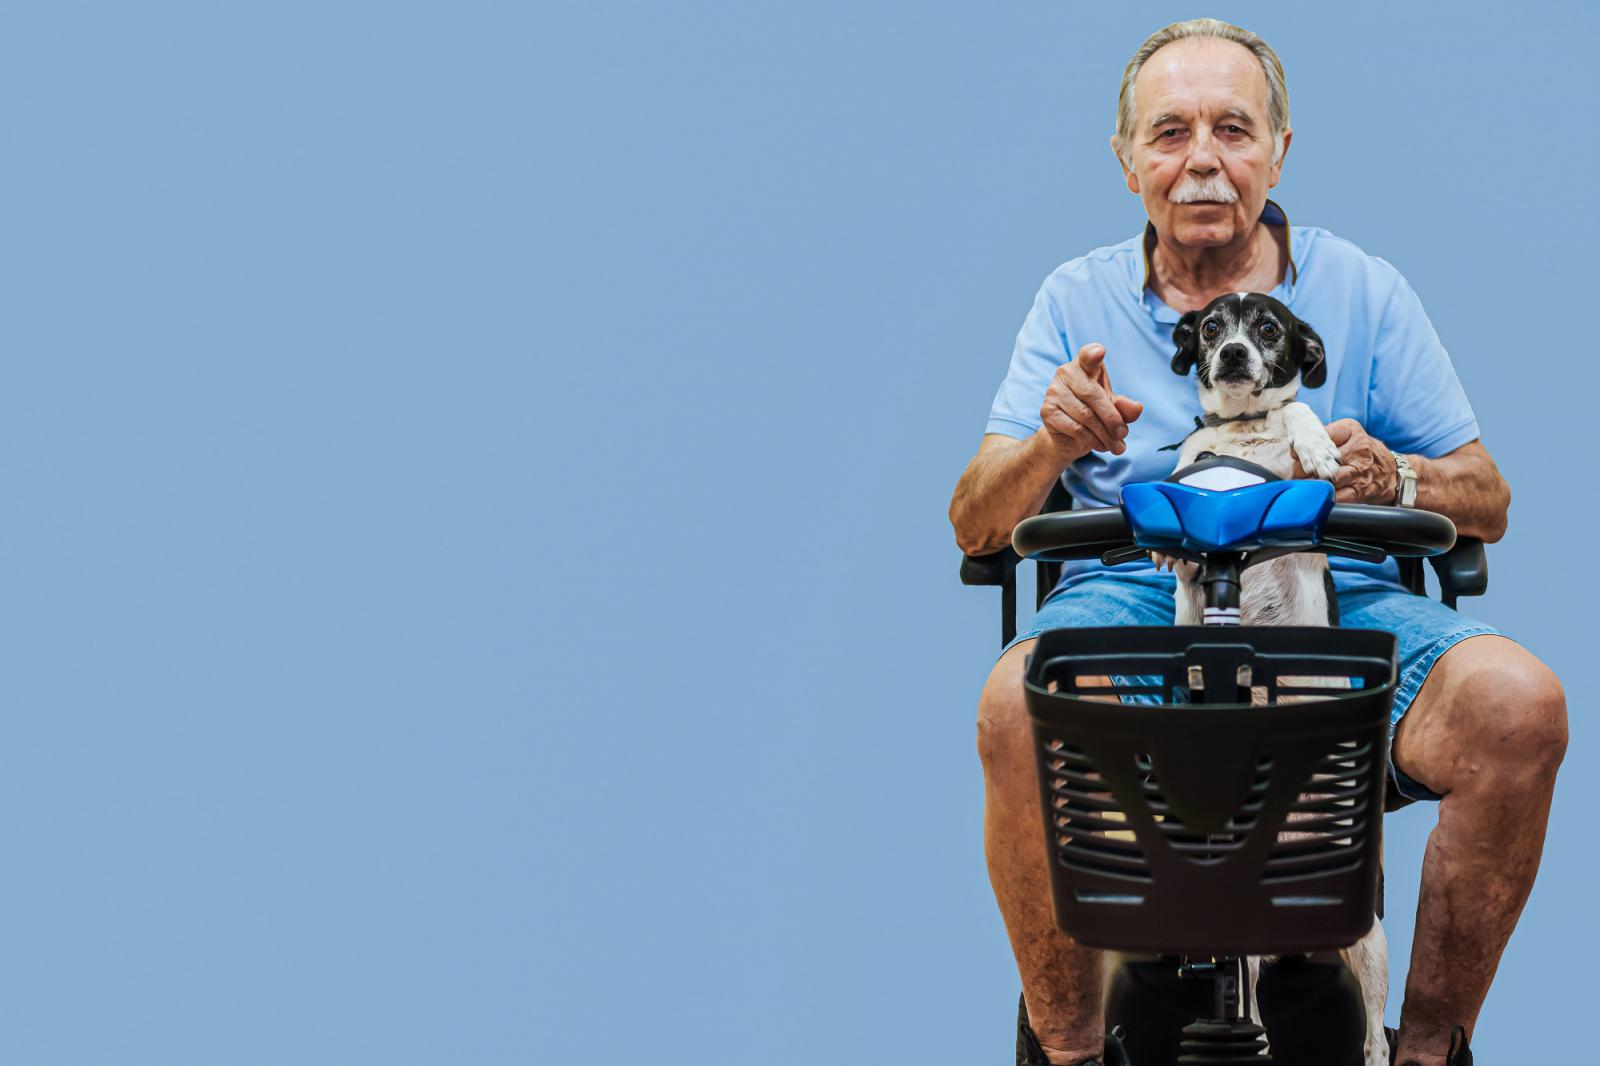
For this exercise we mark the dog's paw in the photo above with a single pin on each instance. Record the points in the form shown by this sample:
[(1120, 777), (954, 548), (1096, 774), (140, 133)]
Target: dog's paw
[(1317, 454), (1187, 571)]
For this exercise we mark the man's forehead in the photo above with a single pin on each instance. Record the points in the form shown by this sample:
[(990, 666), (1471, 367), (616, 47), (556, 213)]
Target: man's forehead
[(1201, 77)]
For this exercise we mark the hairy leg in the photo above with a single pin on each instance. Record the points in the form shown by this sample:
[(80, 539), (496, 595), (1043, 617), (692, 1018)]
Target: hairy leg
[(1488, 731), (1060, 979)]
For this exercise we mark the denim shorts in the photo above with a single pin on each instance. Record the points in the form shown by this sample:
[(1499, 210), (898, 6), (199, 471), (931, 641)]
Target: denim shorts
[(1424, 628)]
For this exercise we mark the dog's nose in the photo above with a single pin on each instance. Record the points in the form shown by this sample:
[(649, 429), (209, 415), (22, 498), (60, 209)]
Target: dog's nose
[(1233, 354)]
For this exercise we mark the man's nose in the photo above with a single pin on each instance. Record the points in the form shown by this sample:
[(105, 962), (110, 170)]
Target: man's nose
[(1203, 153)]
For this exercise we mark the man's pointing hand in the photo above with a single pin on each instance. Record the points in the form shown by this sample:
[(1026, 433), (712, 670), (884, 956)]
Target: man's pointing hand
[(1081, 413)]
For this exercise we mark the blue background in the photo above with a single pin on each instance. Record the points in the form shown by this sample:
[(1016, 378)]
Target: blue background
[(475, 571)]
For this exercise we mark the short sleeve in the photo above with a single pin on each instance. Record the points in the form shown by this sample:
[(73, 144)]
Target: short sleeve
[(1416, 403), (1041, 348)]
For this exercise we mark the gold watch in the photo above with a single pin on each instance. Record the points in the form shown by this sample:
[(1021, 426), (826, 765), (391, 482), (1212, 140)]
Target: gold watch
[(1405, 493)]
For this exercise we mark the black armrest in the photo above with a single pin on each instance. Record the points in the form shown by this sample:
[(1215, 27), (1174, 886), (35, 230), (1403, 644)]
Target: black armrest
[(1000, 568), (991, 569), (996, 568), (1462, 571)]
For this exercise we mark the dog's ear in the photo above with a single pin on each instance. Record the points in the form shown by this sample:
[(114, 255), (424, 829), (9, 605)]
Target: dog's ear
[(1309, 353), (1187, 338)]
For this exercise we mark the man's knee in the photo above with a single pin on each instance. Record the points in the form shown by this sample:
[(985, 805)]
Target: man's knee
[(1004, 732), (1527, 723), (1499, 715)]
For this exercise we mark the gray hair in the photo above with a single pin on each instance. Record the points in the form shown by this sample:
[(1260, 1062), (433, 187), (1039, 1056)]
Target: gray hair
[(1277, 90)]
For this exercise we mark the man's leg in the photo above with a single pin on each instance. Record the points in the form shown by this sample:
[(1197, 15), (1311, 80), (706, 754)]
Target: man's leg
[(1487, 731), (1060, 979)]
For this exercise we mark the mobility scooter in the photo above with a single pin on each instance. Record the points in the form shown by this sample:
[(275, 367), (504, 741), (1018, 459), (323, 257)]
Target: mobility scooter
[(1212, 792)]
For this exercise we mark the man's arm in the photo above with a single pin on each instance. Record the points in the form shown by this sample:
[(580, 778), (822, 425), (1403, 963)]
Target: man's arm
[(1009, 479), (1006, 482), (1465, 486)]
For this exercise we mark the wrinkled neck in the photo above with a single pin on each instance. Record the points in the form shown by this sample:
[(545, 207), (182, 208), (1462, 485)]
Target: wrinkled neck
[(1188, 278)]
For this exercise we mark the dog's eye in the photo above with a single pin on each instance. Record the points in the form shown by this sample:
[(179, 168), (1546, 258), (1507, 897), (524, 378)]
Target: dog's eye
[(1211, 329), (1269, 329)]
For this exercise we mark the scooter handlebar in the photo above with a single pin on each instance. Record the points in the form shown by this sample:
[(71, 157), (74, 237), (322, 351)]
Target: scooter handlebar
[(1064, 535), (1403, 532)]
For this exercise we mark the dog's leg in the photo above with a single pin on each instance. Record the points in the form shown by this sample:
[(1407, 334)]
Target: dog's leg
[(1188, 600), (1369, 961), (1312, 589), (1310, 441), (1253, 964)]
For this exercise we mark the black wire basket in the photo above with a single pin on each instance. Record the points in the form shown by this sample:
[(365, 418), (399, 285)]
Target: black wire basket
[(1213, 790)]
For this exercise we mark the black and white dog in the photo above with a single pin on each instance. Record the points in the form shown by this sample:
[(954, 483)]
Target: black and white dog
[(1252, 355)]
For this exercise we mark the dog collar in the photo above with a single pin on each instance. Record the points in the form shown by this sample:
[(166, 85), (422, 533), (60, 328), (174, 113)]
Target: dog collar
[(1208, 420)]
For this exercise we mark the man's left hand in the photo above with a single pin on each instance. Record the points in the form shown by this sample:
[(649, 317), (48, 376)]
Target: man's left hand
[(1367, 472)]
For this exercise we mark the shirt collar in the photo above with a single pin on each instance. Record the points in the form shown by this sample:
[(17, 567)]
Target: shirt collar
[(1272, 215)]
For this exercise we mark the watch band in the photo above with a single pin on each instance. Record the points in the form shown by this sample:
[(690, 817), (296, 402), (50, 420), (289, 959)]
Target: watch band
[(1405, 493)]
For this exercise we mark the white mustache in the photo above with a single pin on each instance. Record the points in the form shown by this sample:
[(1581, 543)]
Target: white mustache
[(1193, 190)]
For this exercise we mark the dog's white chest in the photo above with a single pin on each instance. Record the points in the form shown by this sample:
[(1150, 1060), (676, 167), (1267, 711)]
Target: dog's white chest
[(1263, 441)]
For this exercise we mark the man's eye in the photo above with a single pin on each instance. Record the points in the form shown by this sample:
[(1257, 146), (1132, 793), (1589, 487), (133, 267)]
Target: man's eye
[(1169, 134), (1269, 329), (1211, 329), (1234, 129)]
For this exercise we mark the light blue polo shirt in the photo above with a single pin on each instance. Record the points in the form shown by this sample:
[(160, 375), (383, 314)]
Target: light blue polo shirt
[(1386, 366)]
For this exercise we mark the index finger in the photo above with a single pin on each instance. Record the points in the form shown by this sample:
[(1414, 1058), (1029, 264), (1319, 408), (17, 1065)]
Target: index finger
[(1092, 358), (1099, 401)]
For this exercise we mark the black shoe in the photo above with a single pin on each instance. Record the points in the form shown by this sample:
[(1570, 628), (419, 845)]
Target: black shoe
[(1029, 1053), (1459, 1054)]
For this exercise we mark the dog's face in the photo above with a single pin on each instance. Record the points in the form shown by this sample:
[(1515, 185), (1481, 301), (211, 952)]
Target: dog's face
[(1246, 344)]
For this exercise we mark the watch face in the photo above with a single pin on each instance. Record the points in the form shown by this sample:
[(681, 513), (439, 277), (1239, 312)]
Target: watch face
[(1407, 490)]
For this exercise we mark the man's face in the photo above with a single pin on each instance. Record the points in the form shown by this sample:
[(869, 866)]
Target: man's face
[(1201, 146)]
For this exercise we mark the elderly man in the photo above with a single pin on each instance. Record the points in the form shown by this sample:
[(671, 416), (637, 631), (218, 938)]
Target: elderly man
[(1202, 132)]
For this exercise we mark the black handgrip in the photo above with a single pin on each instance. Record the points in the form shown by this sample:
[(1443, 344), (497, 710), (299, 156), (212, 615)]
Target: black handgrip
[(1072, 534), (1403, 532)]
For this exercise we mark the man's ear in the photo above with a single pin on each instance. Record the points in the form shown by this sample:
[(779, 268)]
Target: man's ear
[(1309, 353), (1129, 178), (1277, 168), (1187, 338)]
